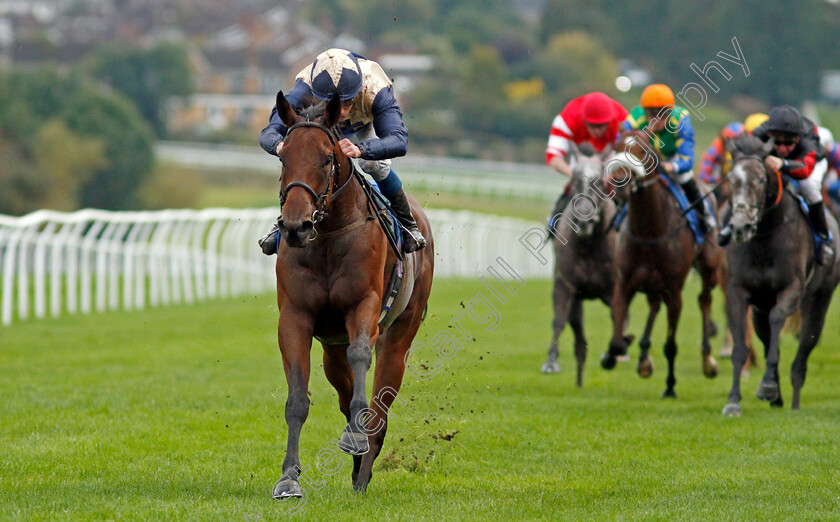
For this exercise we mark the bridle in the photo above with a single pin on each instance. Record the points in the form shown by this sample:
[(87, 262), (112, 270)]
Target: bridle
[(756, 212), (330, 192)]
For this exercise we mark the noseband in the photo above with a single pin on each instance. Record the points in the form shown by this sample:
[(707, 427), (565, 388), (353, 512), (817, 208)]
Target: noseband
[(322, 200)]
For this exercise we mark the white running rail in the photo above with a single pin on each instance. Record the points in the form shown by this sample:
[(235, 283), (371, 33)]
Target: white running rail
[(95, 260)]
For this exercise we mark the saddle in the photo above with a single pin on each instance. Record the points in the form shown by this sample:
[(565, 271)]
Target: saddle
[(691, 217)]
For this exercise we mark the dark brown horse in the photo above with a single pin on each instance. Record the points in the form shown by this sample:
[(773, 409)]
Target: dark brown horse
[(332, 272), (654, 254), (772, 269), (584, 242)]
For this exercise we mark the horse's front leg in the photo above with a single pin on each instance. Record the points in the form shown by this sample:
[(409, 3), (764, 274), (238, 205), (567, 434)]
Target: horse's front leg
[(622, 294), (674, 304), (562, 297), (736, 317), (786, 304), (709, 281), (294, 336), (363, 330)]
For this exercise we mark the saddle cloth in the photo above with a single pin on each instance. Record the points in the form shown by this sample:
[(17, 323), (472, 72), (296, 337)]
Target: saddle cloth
[(691, 216)]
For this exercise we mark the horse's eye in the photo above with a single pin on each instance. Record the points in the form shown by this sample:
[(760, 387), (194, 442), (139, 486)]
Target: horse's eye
[(328, 161)]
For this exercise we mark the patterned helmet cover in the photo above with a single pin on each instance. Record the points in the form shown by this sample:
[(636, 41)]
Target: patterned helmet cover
[(336, 71)]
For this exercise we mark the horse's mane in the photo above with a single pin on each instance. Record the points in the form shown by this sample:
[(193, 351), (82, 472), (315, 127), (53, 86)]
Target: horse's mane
[(748, 145), (313, 111)]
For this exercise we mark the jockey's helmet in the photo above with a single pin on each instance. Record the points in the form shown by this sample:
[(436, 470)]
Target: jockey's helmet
[(656, 96), (597, 109), (336, 71), (754, 120), (784, 119), (732, 130)]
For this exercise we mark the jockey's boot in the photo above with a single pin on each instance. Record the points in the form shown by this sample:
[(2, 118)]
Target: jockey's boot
[(692, 193), (414, 240), (268, 243), (824, 253)]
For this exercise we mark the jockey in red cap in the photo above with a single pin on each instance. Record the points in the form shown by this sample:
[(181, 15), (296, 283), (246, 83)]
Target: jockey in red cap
[(593, 118)]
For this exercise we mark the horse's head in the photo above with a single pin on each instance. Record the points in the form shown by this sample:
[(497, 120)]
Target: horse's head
[(311, 164), (635, 163), (753, 188), (587, 177)]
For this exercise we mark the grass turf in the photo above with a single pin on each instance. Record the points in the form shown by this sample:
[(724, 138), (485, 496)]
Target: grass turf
[(177, 413)]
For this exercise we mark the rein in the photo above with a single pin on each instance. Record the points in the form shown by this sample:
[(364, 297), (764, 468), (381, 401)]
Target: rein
[(330, 193)]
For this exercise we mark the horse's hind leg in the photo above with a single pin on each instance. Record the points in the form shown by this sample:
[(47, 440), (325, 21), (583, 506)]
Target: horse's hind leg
[(340, 375), (813, 320), (761, 321), (709, 277), (576, 322), (786, 303), (710, 262), (295, 340), (387, 380), (562, 297), (674, 305), (645, 367)]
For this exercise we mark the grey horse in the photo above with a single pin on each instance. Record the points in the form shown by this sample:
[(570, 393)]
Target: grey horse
[(772, 268), (584, 243)]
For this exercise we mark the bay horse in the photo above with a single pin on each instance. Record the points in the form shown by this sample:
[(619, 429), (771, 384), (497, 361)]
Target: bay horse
[(583, 241), (772, 269), (332, 272), (655, 251)]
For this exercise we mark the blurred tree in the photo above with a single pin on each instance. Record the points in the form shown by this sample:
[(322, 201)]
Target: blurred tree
[(147, 77), (128, 147), (69, 161), (24, 186), (482, 89), (575, 63)]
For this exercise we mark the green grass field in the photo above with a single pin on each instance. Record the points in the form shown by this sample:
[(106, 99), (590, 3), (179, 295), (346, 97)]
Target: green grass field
[(177, 413)]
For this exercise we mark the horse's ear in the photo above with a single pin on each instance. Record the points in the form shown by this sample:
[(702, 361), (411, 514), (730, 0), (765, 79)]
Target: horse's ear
[(768, 147), (333, 111), (284, 110)]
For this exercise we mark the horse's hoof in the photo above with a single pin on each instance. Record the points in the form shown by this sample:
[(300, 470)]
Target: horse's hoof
[(732, 410), (551, 367), (286, 488), (767, 391), (645, 367), (669, 394), (353, 443), (710, 368), (608, 361)]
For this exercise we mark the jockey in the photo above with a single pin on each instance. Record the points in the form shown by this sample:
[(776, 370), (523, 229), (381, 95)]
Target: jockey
[(593, 118), (832, 156), (716, 159), (371, 127), (672, 136), (797, 153)]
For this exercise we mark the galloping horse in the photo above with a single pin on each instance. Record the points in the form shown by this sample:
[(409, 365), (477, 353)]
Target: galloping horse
[(332, 272), (583, 257), (655, 252), (772, 269)]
